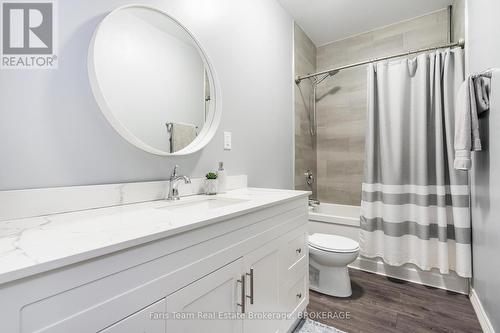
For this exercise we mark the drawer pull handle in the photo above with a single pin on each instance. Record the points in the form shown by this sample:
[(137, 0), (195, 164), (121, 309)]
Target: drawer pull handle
[(299, 250), (251, 285), (242, 304), (299, 295)]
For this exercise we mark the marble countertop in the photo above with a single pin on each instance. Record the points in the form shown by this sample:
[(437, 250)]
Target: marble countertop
[(33, 245)]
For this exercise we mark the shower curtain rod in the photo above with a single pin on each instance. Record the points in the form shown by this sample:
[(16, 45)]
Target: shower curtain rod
[(460, 43)]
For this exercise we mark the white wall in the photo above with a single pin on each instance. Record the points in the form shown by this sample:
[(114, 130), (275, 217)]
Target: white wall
[(484, 52), (53, 134)]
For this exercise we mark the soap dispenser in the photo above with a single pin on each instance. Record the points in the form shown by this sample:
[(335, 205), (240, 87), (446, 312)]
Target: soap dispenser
[(221, 176)]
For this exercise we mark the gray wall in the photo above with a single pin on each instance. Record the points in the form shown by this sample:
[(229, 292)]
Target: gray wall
[(305, 150), (484, 52), (458, 20), (342, 100), (53, 134)]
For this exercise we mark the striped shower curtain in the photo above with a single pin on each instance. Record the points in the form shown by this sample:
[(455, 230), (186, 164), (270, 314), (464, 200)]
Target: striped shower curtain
[(415, 206)]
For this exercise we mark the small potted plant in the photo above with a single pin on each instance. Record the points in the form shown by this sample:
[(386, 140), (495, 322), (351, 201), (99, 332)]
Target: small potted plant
[(211, 183)]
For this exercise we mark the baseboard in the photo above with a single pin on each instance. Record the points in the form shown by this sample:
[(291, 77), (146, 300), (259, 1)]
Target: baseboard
[(411, 273), (481, 314)]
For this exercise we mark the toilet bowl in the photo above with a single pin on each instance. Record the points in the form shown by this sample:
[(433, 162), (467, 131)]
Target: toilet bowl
[(329, 256)]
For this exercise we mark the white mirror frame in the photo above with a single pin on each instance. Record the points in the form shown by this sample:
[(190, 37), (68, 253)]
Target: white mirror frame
[(214, 114)]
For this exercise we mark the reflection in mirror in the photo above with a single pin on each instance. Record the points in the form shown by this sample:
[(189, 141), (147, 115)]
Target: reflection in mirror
[(151, 79)]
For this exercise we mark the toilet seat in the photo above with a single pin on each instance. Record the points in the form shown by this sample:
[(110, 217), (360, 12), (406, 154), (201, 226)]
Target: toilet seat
[(333, 243)]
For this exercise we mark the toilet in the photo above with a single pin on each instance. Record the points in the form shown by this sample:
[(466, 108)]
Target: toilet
[(329, 256)]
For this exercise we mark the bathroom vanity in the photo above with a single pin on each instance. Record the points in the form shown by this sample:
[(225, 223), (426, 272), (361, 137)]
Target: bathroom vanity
[(159, 266)]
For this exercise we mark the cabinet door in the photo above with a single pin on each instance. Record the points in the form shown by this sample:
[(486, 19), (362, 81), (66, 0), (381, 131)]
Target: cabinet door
[(148, 320), (262, 273), (202, 305)]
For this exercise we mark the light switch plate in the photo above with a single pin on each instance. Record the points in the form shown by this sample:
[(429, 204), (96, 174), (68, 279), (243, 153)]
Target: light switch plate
[(227, 141)]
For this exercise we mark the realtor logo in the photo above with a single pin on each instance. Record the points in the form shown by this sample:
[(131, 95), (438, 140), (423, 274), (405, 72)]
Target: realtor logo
[(28, 35)]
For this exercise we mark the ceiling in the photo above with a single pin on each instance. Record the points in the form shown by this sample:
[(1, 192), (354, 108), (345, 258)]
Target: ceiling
[(326, 21)]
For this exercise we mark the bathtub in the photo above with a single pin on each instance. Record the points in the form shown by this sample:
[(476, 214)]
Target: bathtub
[(335, 219), (343, 220), (336, 214)]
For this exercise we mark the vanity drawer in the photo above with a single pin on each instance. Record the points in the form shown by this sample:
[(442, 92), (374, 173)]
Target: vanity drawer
[(148, 320), (296, 249), (296, 294)]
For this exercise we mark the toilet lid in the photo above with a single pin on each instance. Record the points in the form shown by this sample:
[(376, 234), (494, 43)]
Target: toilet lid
[(333, 243)]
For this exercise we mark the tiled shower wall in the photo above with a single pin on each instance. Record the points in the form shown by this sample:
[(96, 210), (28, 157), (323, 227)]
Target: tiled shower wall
[(305, 144), (341, 102)]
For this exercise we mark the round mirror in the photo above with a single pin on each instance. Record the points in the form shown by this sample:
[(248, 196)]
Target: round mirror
[(153, 82)]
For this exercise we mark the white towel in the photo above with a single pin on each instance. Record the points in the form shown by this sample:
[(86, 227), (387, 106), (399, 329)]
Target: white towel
[(481, 87), (181, 135), (466, 125)]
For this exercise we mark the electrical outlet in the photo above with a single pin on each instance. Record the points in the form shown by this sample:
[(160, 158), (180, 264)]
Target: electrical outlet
[(227, 141)]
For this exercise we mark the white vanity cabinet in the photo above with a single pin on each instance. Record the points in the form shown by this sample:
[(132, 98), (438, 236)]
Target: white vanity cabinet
[(252, 264), (211, 298), (263, 276), (250, 287)]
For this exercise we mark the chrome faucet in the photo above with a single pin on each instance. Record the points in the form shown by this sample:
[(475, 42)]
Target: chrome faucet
[(173, 191)]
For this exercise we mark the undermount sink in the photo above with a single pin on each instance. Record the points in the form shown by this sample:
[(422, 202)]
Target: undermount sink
[(201, 205)]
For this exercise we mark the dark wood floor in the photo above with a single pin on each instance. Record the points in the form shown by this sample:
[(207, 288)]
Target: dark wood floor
[(381, 304)]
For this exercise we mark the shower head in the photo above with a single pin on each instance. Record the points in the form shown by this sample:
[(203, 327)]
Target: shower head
[(325, 76), (314, 78)]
